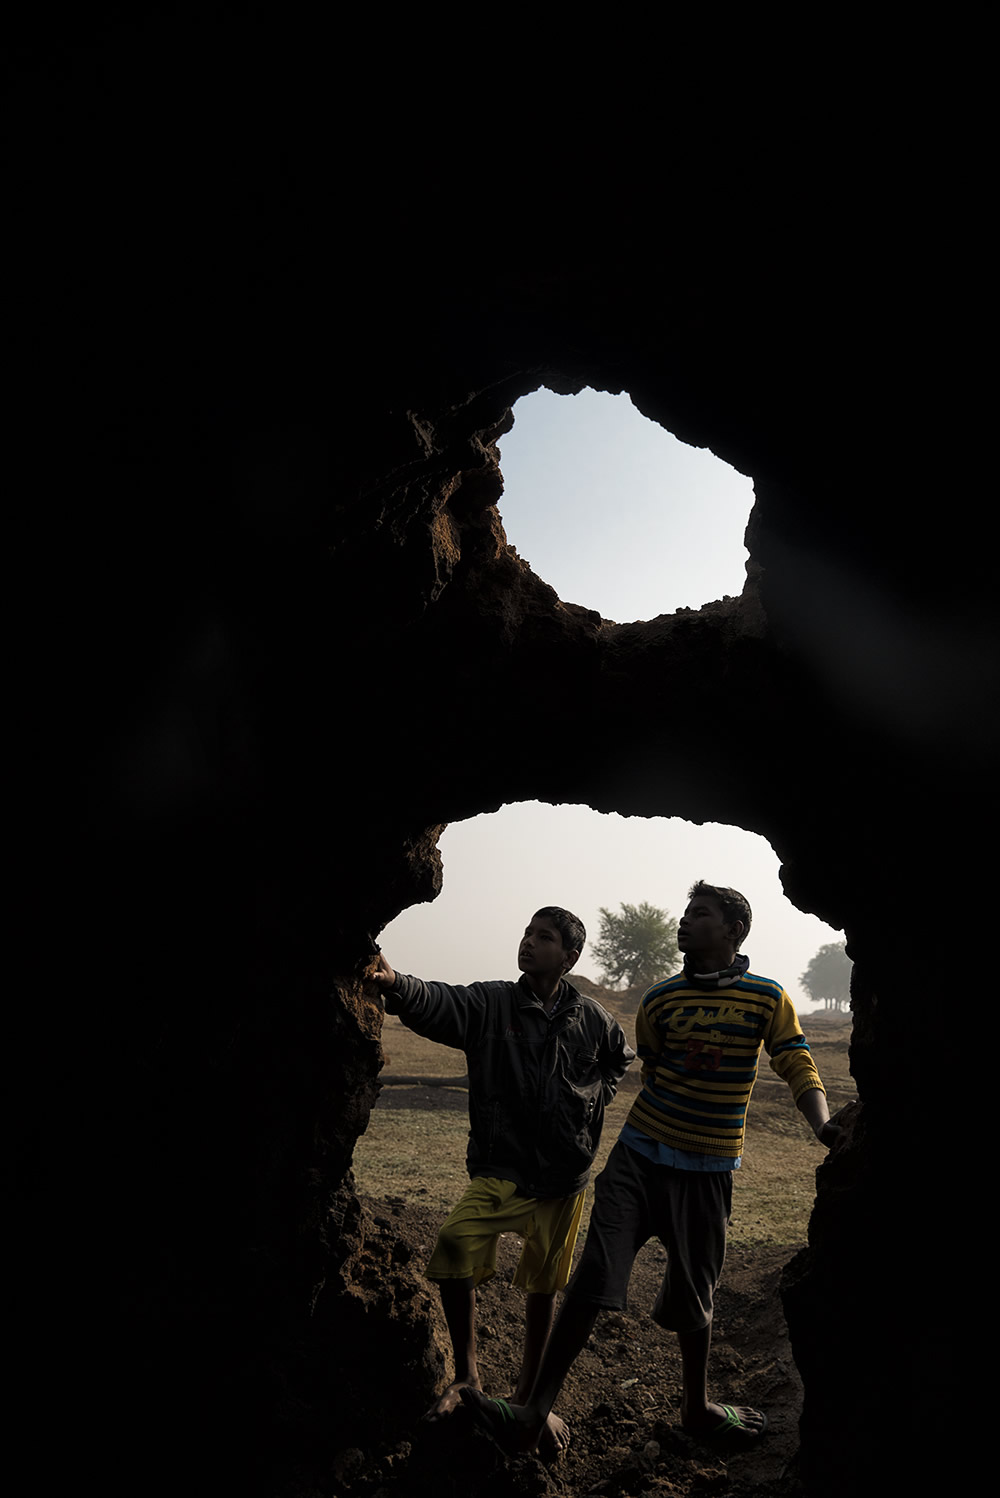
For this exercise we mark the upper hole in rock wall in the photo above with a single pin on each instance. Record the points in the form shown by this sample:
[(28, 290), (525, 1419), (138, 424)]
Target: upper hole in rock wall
[(615, 513)]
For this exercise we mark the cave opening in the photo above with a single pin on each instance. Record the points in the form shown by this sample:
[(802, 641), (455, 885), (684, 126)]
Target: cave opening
[(615, 512), (500, 866), (409, 1165)]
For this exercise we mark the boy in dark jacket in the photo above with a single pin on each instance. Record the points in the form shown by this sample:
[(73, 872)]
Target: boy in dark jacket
[(543, 1063)]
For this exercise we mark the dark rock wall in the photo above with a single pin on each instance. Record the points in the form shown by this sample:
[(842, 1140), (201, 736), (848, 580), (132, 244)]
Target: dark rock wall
[(269, 333)]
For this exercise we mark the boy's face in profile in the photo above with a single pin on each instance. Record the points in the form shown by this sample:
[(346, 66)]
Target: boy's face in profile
[(541, 952), (702, 930)]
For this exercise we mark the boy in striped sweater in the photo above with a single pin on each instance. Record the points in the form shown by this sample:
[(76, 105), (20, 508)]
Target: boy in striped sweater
[(699, 1036)]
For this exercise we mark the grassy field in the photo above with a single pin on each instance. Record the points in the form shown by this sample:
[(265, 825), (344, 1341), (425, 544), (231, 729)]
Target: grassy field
[(415, 1144)]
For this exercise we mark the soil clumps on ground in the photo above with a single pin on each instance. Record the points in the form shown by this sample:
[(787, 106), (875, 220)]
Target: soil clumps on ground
[(621, 1399)]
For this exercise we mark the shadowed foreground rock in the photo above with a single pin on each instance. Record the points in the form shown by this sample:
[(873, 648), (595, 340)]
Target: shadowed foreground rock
[(278, 640)]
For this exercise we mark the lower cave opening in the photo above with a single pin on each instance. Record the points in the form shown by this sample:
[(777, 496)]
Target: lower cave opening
[(622, 1398), (500, 866)]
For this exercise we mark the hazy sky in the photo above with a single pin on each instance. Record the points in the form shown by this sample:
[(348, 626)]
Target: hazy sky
[(616, 514)]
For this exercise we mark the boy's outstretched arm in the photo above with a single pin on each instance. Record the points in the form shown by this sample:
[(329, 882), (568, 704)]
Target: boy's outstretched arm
[(816, 1111), (442, 1012)]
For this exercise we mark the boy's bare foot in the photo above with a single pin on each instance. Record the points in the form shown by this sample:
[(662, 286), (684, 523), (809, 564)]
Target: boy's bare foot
[(508, 1424), (736, 1426), (554, 1439), (450, 1398), (555, 1436)]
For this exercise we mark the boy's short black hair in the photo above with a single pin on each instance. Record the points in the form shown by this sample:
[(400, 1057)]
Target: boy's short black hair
[(735, 907), (569, 926)]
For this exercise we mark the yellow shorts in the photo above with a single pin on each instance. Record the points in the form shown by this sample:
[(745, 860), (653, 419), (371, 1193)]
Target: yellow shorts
[(467, 1244)]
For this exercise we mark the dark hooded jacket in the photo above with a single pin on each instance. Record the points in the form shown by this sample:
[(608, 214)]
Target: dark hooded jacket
[(538, 1085)]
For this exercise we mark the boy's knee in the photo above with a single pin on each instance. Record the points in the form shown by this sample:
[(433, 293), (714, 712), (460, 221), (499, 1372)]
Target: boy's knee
[(679, 1323), (450, 1243), (454, 1285), (683, 1310)]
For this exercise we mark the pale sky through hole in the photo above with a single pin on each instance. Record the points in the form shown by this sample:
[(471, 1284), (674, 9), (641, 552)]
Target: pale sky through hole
[(618, 515)]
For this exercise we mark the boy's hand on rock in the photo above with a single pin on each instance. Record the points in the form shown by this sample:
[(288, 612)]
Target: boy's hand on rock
[(382, 974), (837, 1129)]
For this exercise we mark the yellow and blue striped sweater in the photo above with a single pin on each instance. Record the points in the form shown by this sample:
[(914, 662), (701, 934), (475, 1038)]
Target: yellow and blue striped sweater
[(699, 1045)]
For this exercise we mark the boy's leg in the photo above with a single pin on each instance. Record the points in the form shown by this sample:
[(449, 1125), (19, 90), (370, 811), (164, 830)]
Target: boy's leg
[(696, 1208), (521, 1427), (550, 1234), (458, 1301), (618, 1229), (569, 1337), (465, 1255), (539, 1314), (699, 1416)]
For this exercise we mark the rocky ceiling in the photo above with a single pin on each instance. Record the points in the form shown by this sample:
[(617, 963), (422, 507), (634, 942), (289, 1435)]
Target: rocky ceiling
[(277, 639)]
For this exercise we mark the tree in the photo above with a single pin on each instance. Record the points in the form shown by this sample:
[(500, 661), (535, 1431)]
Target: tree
[(639, 946), (828, 976)]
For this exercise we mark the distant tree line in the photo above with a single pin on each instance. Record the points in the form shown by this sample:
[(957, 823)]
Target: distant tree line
[(827, 979)]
